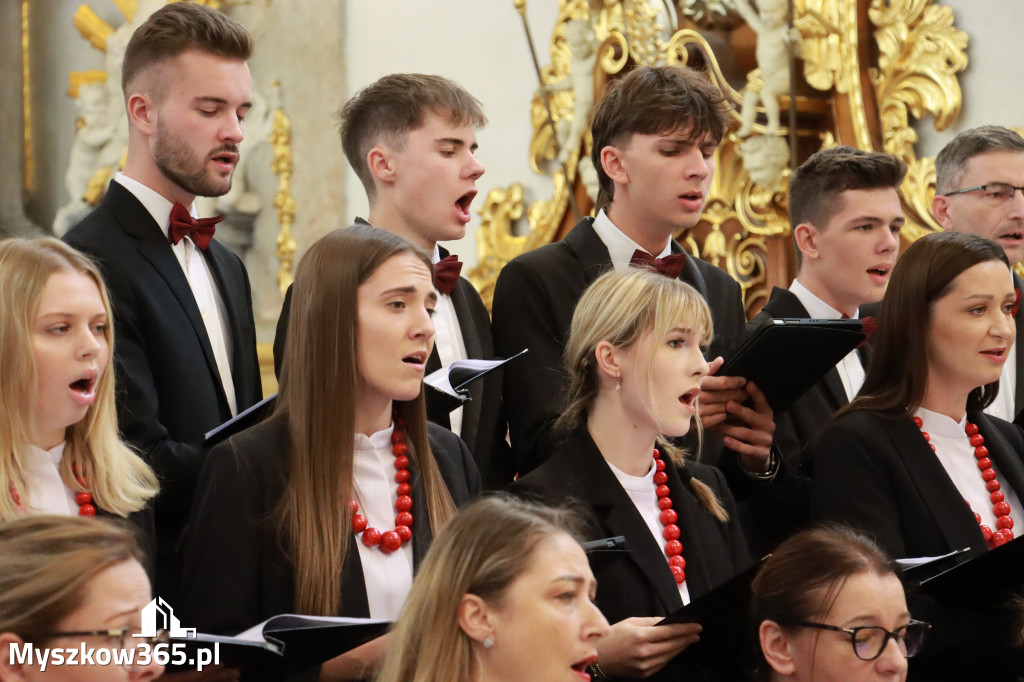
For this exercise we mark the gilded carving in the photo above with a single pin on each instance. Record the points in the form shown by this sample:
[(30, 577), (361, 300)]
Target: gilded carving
[(284, 202)]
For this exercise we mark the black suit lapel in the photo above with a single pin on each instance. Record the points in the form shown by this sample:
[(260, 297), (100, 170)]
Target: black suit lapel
[(619, 516), (155, 249), (935, 487), (690, 274), (588, 248)]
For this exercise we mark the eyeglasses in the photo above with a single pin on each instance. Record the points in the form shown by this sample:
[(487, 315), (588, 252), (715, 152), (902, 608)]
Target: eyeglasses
[(125, 637), (869, 641), (996, 192)]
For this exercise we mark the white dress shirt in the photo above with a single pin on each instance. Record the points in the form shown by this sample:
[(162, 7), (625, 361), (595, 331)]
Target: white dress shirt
[(448, 340), (204, 289), (641, 491), (47, 493), (955, 452), (620, 247), (388, 577), (850, 369)]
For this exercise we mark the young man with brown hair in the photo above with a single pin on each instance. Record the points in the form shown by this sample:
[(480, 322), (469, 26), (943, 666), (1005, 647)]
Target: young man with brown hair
[(846, 216), (979, 188), (185, 355), (411, 140), (655, 132)]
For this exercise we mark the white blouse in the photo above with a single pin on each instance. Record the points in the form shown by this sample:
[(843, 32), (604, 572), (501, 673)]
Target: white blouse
[(956, 454), (47, 493), (388, 577), (641, 491)]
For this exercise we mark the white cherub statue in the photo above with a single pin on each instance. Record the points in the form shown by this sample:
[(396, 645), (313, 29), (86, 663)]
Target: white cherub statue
[(774, 38)]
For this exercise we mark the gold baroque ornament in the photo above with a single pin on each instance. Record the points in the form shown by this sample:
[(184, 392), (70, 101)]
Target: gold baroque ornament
[(920, 55), (284, 202)]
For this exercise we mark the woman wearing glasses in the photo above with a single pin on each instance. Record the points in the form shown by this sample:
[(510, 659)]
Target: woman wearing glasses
[(913, 460), (829, 608), (71, 583)]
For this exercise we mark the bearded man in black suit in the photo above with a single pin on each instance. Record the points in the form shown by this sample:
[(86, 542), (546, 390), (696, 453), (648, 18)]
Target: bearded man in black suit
[(185, 353)]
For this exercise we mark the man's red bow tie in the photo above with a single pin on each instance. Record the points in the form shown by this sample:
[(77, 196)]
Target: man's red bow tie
[(199, 230), (446, 274), (670, 266)]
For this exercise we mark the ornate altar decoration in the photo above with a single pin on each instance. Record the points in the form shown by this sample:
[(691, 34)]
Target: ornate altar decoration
[(865, 67)]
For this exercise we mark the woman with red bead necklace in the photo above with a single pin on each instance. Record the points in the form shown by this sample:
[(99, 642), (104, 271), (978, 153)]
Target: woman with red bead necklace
[(328, 506), (59, 447), (635, 367), (914, 460)]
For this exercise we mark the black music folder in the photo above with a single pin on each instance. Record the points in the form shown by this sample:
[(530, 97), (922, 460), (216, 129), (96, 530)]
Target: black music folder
[(977, 614), (724, 614), (241, 421), (788, 356), (287, 643)]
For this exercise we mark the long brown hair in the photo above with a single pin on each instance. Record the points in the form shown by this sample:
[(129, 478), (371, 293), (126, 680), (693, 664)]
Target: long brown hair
[(897, 376), (119, 479), (482, 551), (621, 307), (319, 389)]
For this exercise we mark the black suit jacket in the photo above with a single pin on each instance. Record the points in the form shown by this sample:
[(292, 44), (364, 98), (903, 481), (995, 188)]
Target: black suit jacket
[(878, 474), (483, 417), (169, 391), (237, 572), (1018, 401), (636, 581), (534, 300)]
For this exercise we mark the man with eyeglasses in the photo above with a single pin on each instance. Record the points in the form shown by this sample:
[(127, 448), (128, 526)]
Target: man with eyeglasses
[(978, 175)]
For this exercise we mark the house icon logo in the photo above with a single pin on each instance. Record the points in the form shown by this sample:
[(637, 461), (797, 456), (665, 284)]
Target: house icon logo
[(158, 615)]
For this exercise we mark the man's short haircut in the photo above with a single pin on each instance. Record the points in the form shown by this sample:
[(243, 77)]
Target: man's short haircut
[(951, 163), (652, 100), (177, 28), (385, 111), (816, 184)]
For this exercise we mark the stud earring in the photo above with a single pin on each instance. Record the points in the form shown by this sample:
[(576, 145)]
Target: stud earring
[(488, 642)]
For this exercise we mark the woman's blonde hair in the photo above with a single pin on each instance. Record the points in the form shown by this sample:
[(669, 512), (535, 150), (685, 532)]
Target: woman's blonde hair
[(622, 307), (319, 388), (46, 564), (119, 480), (482, 552)]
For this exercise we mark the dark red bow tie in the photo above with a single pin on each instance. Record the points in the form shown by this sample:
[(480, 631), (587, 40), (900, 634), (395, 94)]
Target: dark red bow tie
[(670, 266), (446, 274), (868, 327), (199, 230)]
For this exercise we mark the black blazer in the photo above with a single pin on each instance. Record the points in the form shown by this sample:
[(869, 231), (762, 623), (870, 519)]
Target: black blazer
[(637, 581), (237, 572), (534, 299), (1018, 401), (483, 417), (169, 391), (878, 474)]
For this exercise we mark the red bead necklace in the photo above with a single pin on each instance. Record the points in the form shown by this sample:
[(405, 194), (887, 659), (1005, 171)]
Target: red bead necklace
[(1000, 507), (391, 540), (673, 547), (83, 499)]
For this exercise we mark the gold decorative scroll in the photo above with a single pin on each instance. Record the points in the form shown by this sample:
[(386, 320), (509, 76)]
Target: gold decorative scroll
[(284, 202), (76, 79), (920, 53)]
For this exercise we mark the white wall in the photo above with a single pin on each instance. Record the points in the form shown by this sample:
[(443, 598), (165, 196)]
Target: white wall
[(477, 43)]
